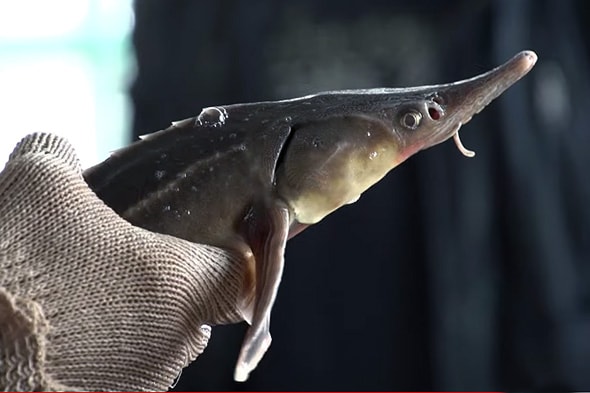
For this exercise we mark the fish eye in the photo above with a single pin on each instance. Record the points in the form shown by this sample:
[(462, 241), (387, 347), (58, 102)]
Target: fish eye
[(411, 119)]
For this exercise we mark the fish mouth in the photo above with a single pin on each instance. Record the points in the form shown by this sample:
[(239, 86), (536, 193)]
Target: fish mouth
[(481, 90)]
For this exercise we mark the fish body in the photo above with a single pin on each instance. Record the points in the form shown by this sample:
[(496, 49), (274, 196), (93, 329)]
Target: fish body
[(248, 177)]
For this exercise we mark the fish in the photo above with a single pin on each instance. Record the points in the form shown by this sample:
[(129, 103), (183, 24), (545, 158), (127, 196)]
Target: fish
[(248, 177)]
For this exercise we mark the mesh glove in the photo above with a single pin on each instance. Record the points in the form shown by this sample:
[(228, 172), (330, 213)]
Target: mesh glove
[(89, 302)]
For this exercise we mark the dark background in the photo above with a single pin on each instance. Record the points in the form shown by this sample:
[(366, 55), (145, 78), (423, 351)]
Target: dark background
[(451, 273)]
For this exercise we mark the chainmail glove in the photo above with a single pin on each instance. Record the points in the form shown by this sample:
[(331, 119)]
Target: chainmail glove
[(88, 301)]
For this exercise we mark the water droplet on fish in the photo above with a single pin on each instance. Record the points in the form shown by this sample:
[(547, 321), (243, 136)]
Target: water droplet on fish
[(368, 133), (212, 117), (373, 155), (242, 147), (166, 208), (288, 119), (211, 169), (159, 174), (163, 155), (194, 188), (233, 135), (353, 199), (188, 212)]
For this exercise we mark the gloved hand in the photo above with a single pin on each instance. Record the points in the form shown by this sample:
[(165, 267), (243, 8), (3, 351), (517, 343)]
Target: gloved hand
[(89, 302)]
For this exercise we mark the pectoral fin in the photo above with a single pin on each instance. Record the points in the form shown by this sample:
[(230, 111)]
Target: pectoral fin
[(267, 233)]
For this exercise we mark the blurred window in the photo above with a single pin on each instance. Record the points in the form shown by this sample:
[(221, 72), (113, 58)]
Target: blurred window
[(64, 68)]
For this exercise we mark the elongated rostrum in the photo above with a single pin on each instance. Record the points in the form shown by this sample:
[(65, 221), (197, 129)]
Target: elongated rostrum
[(248, 177)]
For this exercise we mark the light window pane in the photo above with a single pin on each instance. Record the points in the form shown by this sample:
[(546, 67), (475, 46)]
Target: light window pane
[(67, 73)]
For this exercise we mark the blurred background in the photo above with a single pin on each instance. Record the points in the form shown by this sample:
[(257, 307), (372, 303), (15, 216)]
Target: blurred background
[(65, 67), (451, 273)]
